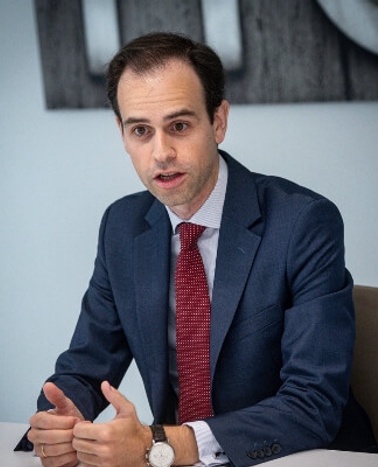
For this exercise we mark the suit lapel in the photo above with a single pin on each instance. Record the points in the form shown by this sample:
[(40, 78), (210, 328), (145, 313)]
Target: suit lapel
[(237, 247), (152, 269)]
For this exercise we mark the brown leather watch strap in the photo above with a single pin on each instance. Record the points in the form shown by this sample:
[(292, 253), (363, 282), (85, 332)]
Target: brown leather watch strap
[(158, 433)]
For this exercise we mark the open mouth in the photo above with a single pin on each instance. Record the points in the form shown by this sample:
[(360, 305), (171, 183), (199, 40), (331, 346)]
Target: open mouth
[(169, 179)]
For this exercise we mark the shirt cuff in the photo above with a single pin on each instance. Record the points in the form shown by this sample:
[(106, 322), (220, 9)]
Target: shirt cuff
[(209, 451)]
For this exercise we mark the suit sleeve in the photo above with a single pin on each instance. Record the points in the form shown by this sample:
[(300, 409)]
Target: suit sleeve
[(317, 346), (98, 350)]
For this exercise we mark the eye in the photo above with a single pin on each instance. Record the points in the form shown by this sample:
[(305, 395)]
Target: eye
[(140, 131), (179, 126)]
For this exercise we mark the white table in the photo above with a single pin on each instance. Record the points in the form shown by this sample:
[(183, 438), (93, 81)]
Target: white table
[(11, 433), (326, 458)]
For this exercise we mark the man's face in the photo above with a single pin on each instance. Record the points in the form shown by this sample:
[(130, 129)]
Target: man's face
[(168, 134)]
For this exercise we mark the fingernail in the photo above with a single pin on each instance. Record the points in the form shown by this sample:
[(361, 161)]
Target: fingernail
[(109, 385)]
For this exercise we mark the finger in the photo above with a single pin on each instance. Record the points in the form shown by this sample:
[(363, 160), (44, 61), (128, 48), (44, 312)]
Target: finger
[(87, 459), (68, 459), (42, 436), (121, 405), (53, 450), (87, 434), (85, 431), (94, 452), (63, 405), (49, 421)]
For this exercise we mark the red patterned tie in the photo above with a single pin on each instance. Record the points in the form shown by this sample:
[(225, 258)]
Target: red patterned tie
[(192, 328)]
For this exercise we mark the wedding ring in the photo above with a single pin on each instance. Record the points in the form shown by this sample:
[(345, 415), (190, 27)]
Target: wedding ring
[(43, 450)]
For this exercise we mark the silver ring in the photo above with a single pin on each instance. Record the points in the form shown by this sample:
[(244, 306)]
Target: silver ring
[(43, 450)]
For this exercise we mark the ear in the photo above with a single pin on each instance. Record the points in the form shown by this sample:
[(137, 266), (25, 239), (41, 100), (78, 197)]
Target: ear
[(220, 121), (119, 124)]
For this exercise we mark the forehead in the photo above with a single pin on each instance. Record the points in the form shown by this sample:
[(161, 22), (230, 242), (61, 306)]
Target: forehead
[(160, 90)]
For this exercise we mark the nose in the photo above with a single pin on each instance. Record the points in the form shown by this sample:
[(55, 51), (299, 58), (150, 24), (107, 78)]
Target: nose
[(163, 150)]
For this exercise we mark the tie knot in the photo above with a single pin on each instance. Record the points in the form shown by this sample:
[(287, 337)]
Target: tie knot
[(189, 234)]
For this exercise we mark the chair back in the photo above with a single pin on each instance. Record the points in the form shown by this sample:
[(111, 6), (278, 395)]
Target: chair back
[(365, 362)]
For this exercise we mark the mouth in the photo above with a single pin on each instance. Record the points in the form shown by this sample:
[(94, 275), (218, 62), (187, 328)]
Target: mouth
[(168, 176), (169, 179)]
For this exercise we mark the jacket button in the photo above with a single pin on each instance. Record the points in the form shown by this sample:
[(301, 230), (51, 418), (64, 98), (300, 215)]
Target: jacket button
[(252, 454), (260, 454), (268, 451), (276, 448)]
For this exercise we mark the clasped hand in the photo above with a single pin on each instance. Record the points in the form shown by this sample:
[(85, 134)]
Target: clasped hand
[(62, 438)]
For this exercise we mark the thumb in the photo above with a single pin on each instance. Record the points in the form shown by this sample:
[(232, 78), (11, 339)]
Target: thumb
[(63, 405), (122, 406)]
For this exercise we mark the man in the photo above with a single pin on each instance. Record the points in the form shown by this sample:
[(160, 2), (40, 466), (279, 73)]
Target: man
[(282, 329)]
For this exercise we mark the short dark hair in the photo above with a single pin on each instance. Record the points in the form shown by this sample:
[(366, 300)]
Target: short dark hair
[(153, 50)]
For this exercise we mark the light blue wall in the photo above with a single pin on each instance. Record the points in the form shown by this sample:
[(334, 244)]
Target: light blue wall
[(60, 169)]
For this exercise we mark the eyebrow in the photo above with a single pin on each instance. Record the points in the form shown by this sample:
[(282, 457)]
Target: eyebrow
[(179, 113)]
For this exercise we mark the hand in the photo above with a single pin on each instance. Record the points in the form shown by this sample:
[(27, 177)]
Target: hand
[(52, 431), (121, 442)]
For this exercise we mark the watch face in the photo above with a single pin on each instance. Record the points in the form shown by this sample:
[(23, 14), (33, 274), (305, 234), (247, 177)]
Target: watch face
[(161, 455)]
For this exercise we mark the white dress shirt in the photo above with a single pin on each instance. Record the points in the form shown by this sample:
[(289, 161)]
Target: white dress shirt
[(209, 215)]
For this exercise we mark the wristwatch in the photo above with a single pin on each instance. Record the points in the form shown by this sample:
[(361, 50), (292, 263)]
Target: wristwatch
[(161, 453)]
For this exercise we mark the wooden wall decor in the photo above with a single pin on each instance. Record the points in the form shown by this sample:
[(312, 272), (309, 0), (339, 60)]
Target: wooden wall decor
[(291, 51)]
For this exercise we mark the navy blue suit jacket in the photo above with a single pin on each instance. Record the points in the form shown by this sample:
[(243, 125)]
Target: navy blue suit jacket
[(282, 320)]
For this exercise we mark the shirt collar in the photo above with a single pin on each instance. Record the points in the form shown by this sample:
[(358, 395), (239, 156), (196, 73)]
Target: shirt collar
[(210, 213)]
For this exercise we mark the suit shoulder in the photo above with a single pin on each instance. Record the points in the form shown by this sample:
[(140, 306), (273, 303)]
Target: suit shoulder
[(266, 185), (129, 213), (284, 187), (141, 200), (269, 196), (285, 191), (290, 199)]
